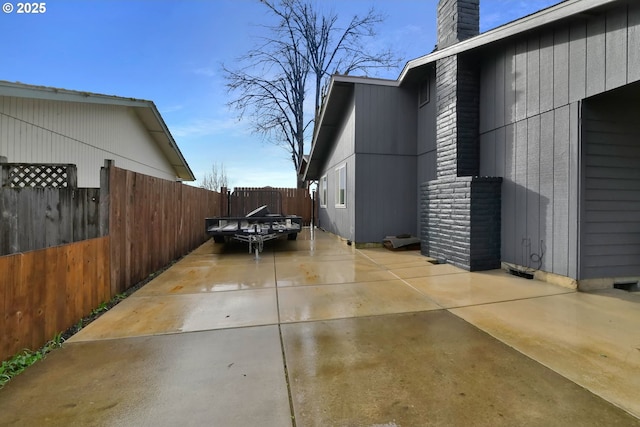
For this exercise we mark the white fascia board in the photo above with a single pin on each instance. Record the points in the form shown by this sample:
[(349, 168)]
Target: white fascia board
[(546, 16), (20, 90)]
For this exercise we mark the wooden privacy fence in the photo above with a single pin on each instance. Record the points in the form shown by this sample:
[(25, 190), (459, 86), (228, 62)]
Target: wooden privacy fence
[(35, 218), (145, 223), (152, 222), (41, 207), (287, 201), (48, 290)]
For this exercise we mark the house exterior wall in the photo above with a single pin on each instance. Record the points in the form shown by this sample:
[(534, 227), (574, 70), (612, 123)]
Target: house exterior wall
[(426, 140), (530, 94), (341, 220), (426, 135), (45, 131), (385, 146)]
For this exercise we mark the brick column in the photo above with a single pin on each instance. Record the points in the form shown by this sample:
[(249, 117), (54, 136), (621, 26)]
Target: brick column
[(460, 221), (460, 212)]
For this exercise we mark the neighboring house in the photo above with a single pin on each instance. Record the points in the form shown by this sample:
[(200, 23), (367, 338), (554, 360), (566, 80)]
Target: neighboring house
[(519, 145), (49, 125)]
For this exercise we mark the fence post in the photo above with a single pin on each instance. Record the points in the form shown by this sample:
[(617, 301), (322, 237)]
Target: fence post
[(105, 171), (72, 176), (4, 171), (224, 202)]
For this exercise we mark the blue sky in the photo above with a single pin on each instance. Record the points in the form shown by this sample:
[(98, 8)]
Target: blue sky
[(170, 51)]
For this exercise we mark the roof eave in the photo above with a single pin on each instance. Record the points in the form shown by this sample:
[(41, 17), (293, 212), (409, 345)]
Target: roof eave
[(546, 16), (311, 172), (155, 126)]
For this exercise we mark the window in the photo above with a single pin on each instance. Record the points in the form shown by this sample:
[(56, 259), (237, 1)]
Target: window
[(423, 93), (341, 186), (323, 191)]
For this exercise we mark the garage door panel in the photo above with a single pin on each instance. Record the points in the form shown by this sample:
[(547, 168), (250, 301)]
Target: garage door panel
[(604, 148), (614, 162), (630, 195), (620, 250), (607, 184), (612, 239), (611, 271), (617, 261), (606, 216), (615, 173), (612, 227)]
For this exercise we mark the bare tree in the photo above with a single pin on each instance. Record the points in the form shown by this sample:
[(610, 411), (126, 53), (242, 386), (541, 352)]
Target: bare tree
[(216, 179), (270, 84)]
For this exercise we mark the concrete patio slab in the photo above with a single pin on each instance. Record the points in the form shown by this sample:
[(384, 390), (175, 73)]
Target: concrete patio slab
[(427, 369), (592, 339), (399, 259), (217, 276), (463, 289), (424, 271), (305, 303), (214, 378), (384, 255), (321, 273), (139, 316), (216, 339)]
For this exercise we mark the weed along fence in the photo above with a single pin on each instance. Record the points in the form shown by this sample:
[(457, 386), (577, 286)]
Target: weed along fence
[(96, 244)]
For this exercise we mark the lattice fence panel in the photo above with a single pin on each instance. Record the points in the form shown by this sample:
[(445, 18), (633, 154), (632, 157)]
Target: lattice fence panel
[(35, 175)]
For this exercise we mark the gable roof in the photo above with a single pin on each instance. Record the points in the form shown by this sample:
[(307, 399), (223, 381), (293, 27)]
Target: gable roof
[(336, 102), (341, 87), (145, 110), (549, 15)]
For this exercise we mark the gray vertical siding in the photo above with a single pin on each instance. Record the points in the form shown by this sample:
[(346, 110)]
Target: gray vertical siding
[(341, 221), (426, 142), (633, 41), (426, 125), (385, 120), (611, 222), (546, 175), (531, 89), (385, 146), (386, 203), (616, 49), (577, 61)]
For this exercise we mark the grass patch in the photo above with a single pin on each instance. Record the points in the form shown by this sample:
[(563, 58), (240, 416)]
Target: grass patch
[(21, 361)]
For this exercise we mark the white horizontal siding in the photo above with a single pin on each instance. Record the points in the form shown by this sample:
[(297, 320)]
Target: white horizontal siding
[(44, 131)]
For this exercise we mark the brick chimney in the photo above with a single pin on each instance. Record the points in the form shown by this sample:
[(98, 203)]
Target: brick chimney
[(457, 85), (460, 211), (458, 20)]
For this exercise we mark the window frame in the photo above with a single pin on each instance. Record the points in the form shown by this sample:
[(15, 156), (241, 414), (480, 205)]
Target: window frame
[(424, 92), (323, 191), (341, 202)]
